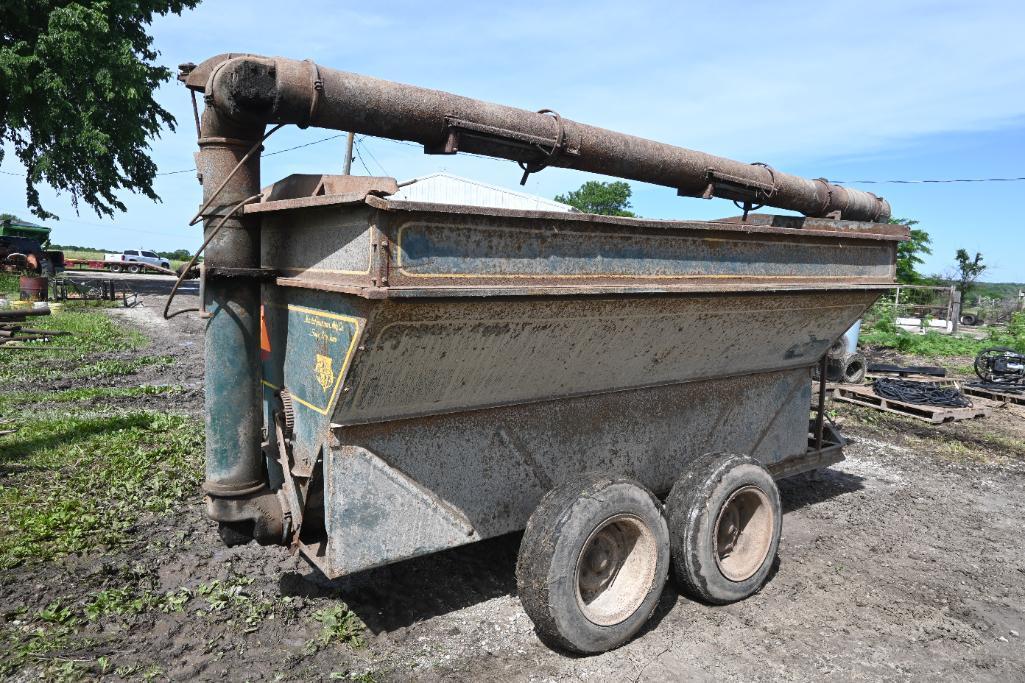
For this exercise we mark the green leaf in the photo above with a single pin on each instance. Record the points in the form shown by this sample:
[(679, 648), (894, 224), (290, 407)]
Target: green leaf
[(76, 96)]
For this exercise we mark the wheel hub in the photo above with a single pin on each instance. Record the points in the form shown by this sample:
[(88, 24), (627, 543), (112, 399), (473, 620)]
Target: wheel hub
[(743, 533), (615, 569)]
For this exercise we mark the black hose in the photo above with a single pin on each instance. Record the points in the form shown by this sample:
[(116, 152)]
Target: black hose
[(920, 393)]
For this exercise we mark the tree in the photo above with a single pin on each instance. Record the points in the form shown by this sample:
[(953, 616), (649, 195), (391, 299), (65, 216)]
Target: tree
[(76, 96), (969, 270), (608, 199), (176, 255), (909, 254)]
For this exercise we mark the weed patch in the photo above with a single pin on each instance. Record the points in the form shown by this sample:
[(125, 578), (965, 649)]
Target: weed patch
[(71, 482), (338, 624), (8, 285), (79, 474), (884, 333), (20, 398), (120, 368)]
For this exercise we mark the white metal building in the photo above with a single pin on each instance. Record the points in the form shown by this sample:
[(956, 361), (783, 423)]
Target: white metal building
[(444, 188)]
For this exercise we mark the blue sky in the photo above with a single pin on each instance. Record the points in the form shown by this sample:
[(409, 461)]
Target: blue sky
[(873, 90)]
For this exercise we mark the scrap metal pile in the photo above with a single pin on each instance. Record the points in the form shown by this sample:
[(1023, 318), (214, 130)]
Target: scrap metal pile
[(13, 327), (15, 332), (1001, 368)]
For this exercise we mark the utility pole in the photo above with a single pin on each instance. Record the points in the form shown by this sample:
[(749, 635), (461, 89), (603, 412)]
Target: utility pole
[(347, 169)]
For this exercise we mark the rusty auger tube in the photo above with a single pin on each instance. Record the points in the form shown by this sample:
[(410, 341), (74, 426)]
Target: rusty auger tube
[(238, 496), (260, 90)]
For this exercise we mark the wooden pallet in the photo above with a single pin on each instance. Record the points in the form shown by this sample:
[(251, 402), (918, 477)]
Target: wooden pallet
[(998, 396), (864, 396), (978, 392)]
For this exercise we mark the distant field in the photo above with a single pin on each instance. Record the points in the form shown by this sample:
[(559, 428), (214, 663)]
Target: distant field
[(86, 254)]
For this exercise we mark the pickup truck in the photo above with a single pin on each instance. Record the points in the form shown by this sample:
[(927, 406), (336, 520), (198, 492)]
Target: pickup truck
[(134, 261)]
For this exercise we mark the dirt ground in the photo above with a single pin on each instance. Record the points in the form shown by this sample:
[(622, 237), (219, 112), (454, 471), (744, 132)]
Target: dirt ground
[(906, 561)]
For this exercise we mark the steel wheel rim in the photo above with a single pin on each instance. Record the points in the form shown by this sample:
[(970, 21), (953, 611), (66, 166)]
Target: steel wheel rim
[(743, 533), (615, 569)]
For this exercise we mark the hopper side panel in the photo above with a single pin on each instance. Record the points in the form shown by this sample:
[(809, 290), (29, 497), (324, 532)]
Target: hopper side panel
[(441, 356), (324, 243), (312, 341), (409, 487), (427, 251)]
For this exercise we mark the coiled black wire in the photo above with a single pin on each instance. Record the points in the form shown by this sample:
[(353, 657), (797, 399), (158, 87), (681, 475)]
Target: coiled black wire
[(921, 393)]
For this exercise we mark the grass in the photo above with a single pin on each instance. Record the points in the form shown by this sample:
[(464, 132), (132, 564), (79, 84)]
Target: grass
[(8, 400), (930, 345), (49, 637), (883, 332), (46, 636), (91, 254), (102, 474), (8, 284), (79, 472), (120, 368), (78, 475), (91, 332)]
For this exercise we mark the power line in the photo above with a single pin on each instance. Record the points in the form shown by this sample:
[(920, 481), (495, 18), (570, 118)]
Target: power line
[(267, 154), (921, 182), (367, 148), (308, 144), (359, 157), (191, 170)]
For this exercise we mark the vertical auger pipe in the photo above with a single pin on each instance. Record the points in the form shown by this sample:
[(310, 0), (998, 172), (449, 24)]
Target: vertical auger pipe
[(237, 493), (278, 90)]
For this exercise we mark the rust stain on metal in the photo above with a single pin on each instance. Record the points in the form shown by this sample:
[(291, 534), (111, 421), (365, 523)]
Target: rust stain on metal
[(257, 89)]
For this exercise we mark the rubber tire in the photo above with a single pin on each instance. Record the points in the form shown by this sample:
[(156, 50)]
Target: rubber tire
[(46, 268), (114, 269), (693, 506), (834, 372), (552, 542), (134, 268), (969, 319), (854, 369), (838, 349)]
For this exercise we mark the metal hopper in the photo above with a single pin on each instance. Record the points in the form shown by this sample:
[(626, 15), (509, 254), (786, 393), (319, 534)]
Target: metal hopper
[(447, 364), (387, 379)]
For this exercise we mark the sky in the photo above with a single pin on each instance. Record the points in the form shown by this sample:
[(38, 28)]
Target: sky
[(877, 90)]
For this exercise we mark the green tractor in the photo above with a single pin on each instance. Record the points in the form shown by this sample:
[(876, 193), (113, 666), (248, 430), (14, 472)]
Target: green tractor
[(23, 248)]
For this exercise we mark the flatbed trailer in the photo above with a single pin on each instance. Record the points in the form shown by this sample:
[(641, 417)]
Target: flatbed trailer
[(111, 266)]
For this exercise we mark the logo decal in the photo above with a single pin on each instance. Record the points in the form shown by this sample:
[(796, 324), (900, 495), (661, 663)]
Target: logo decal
[(325, 372)]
